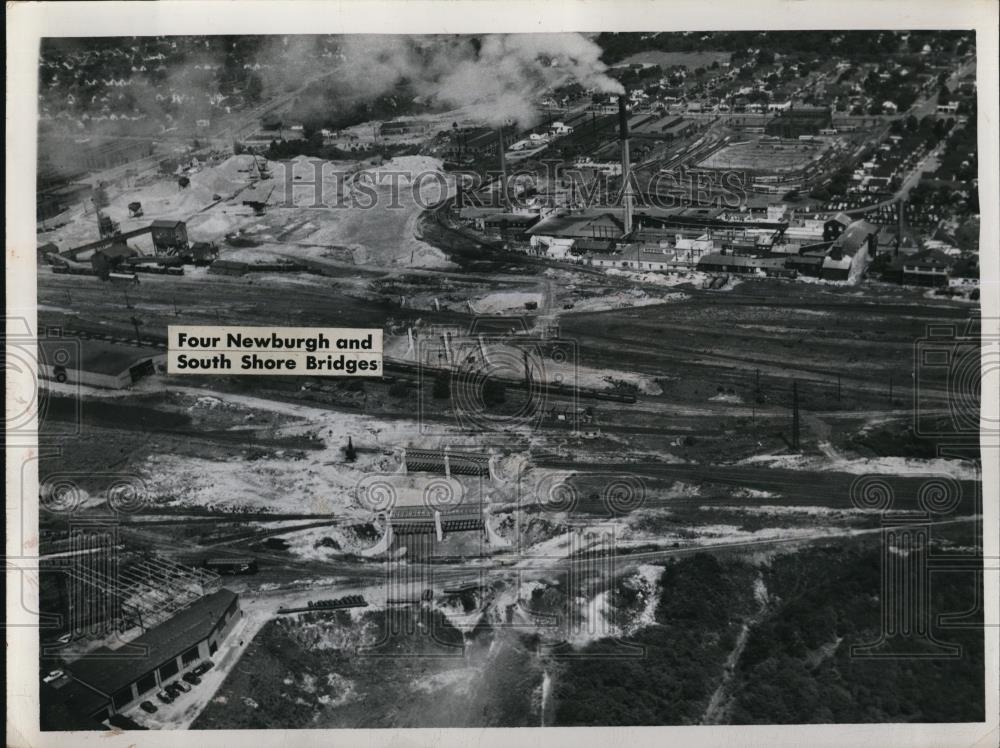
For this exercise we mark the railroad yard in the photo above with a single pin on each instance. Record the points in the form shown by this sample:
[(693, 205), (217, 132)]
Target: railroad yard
[(616, 417)]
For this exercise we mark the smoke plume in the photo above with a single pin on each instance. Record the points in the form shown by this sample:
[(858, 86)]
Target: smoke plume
[(496, 77)]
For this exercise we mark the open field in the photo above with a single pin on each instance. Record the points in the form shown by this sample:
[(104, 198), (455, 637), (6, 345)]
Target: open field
[(764, 156)]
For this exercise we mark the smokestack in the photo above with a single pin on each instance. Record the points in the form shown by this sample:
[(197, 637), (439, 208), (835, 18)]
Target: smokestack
[(626, 167), (503, 169)]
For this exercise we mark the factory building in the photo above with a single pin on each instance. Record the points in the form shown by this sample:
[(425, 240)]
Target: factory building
[(600, 224), (169, 234), (836, 226), (930, 267), (96, 363), (510, 226), (108, 681), (473, 143), (401, 127), (729, 263), (498, 223), (807, 262), (849, 255)]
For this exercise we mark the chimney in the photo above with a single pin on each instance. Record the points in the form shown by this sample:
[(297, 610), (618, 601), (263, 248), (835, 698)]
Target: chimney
[(626, 166), (503, 169)]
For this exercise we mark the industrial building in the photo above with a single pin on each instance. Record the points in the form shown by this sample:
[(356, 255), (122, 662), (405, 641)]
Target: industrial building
[(851, 251), (401, 127), (169, 234), (473, 143), (108, 681), (96, 363), (929, 267), (498, 223), (585, 224), (728, 263)]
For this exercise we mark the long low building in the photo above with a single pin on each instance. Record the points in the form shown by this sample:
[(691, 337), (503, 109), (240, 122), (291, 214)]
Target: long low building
[(108, 681), (728, 263), (96, 363)]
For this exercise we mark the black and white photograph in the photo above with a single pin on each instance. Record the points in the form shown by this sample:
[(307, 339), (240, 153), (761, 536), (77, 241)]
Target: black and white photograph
[(489, 379)]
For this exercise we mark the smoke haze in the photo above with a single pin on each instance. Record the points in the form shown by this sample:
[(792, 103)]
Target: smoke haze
[(496, 77)]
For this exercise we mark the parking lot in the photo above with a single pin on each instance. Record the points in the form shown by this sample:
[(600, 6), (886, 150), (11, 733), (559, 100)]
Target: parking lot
[(180, 713)]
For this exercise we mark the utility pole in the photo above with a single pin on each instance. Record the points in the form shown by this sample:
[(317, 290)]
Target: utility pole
[(795, 415), (128, 304), (838, 388), (177, 312), (135, 324)]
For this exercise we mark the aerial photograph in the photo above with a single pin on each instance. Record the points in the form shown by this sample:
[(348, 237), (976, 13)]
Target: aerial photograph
[(675, 419)]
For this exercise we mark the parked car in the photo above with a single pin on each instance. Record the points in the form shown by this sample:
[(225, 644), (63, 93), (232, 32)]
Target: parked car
[(203, 667), (54, 675), (181, 685), (149, 707), (192, 678), (173, 690), (165, 697)]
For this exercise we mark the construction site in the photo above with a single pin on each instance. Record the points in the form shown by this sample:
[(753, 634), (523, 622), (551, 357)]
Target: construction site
[(576, 402)]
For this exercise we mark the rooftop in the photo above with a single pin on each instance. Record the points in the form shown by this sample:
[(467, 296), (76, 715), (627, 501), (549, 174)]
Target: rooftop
[(588, 224), (720, 260), (854, 235), (934, 258), (67, 705), (97, 356), (109, 673), (513, 218)]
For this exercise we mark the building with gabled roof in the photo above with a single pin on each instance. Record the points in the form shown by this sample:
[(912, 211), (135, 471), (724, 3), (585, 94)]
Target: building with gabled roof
[(851, 251), (134, 671)]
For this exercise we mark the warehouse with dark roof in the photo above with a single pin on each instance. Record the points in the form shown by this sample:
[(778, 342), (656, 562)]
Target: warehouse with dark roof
[(96, 363), (116, 679)]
